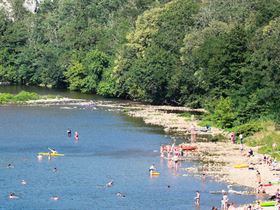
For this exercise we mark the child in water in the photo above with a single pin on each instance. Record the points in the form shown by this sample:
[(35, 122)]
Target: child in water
[(76, 136)]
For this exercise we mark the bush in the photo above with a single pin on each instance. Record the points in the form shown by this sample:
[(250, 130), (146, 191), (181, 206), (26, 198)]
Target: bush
[(249, 128), (5, 98), (25, 96)]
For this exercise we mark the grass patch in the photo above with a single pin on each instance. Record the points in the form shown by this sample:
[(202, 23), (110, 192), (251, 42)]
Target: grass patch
[(23, 96), (186, 115), (265, 139)]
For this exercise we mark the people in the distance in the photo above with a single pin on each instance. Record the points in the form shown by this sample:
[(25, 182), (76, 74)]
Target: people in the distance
[(76, 136), (69, 132), (110, 183), (53, 151), (152, 168)]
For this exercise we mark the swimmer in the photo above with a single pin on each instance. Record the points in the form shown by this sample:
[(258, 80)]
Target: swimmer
[(13, 196), (54, 169), (110, 184), (119, 194), (23, 182), (10, 165), (39, 157), (54, 198)]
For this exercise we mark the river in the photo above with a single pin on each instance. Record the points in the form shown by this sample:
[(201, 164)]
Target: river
[(111, 146)]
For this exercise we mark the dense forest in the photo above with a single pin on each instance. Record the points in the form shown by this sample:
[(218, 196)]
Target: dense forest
[(223, 55)]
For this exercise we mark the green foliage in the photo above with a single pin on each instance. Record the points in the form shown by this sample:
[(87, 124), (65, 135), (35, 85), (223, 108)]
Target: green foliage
[(25, 96), (20, 97), (5, 98), (266, 143), (223, 114), (221, 55), (249, 128), (86, 75)]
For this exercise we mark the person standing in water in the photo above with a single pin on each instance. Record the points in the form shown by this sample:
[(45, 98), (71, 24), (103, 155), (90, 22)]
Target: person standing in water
[(197, 198), (76, 136), (69, 132)]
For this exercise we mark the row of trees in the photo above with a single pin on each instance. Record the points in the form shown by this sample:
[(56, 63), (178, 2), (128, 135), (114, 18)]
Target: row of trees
[(218, 54)]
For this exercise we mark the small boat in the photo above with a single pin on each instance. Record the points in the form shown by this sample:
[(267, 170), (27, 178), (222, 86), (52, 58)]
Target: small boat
[(50, 154), (268, 203), (241, 166), (189, 148)]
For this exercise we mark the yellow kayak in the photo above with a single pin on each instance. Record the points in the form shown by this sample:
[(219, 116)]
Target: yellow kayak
[(241, 166), (155, 173), (50, 154)]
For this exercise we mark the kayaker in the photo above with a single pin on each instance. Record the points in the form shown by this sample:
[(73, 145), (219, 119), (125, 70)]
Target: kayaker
[(53, 151), (152, 168)]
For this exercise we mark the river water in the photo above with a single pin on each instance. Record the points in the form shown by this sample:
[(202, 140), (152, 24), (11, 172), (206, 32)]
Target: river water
[(111, 146)]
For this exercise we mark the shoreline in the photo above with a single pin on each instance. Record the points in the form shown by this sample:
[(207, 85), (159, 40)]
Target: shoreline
[(216, 159)]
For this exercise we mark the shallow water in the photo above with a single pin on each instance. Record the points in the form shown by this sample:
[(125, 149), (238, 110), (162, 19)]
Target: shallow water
[(111, 146)]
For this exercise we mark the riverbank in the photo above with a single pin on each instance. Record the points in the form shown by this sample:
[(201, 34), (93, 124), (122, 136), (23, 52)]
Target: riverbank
[(217, 159)]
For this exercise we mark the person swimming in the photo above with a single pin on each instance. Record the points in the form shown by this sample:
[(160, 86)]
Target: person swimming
[(23, 182), (119, 194), (13, 196), (10, 166), (54, 198), (54, 169), (39, 157), (110, 184)]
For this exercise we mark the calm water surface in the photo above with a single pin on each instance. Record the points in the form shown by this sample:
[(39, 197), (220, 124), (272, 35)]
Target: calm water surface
[(111, 146)]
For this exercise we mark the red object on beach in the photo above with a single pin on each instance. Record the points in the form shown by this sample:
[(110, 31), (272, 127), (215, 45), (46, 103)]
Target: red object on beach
[(267, 185), (189, 148)]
